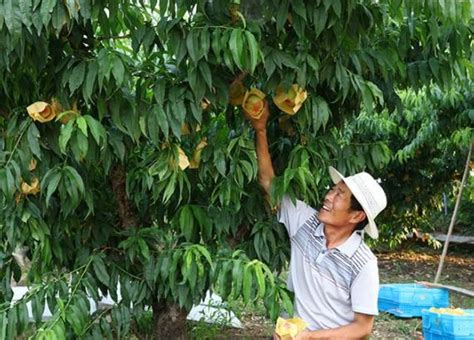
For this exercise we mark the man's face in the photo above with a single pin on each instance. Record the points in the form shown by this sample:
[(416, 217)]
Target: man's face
[(336, 209)]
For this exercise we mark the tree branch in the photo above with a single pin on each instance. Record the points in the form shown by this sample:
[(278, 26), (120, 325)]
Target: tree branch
[(115, 37)]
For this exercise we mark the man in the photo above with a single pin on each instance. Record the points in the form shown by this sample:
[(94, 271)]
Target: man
[(333, 274)]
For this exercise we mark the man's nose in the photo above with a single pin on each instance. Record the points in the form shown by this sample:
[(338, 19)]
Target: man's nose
[(329, 195)]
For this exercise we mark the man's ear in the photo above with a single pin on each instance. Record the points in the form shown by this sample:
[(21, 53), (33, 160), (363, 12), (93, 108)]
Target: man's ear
[(358, 216)]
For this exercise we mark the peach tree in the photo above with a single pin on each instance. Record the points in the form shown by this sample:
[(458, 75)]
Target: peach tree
[(127, 168)]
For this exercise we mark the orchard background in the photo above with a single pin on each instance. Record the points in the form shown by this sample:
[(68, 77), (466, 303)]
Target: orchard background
[(134, 167)]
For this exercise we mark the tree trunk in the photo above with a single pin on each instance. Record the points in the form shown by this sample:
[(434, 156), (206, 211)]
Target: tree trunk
[(169, 321), (128, 217)]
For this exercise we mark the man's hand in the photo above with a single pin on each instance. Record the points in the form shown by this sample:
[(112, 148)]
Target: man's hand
[(360, 328), (303, 335), (261, 123)]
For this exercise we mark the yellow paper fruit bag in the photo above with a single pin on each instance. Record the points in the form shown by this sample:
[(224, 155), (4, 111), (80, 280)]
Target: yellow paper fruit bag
[(450, 311), (183, 159), (194, 163), (30, 189), (41, 112), (290, 102), (289, 329), (253, 103)]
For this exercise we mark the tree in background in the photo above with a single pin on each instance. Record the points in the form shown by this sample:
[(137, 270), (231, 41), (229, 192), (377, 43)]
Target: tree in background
[(430, 141), (125, 157)]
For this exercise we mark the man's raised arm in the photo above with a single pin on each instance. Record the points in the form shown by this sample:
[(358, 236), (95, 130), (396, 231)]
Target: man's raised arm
[(265, 167)]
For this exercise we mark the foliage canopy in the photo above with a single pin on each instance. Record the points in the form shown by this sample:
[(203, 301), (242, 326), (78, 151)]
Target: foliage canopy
[(132, 78)]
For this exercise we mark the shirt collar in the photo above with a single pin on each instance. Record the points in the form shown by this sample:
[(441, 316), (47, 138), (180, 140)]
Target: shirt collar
[(348, 247)]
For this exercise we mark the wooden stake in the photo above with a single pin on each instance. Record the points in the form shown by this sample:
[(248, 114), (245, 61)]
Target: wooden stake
[(462, 291), (455, 213)]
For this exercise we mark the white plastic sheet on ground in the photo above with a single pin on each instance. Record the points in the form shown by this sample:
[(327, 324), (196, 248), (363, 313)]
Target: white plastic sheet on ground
[(211, 310)]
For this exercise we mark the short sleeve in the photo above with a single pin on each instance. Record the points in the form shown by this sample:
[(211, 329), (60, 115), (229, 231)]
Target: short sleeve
[(294, 215), (365, 290)]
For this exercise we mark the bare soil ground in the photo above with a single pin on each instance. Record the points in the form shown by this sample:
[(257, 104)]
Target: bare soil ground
[(403, 266)]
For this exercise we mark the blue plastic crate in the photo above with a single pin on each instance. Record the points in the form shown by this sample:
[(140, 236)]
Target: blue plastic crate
[(407, 300), (446, 326)]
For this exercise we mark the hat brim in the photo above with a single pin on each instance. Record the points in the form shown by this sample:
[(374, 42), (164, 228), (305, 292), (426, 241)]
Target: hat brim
[(336, 177)]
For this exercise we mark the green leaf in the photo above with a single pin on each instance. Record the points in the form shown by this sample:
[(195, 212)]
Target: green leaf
[(228, 58), (319, 18), (162, 119), (58, 330), (192, 45), (33, 140), (216, 44), (165, 267), (236, 46), (59, 18), (100, 270), (356, 62), (204, 43), (159, 91), (196, 111), (286, 301), (260, 280), (204, 252), (85, 9), (153, 127), (254, 50), (22, 317), (73, 318), (52, 185), (336, 5), (80, 146), (82, 125), (75, 177), (118, 70), (237, 277), (247, 169), (299, 8), (77, 76), (118, 147), (376, 92), (144, 250), (471, 114), (91, 78), (197, 83), (170, 188), (65, 135), (163, 6), (367, 98), (206, 73), (343, 79), (96, 128), (247, 283), (175, 124), (3, 325), (46, 9), (12, 18), (320, 113), (186, 222), (282, 15), (12, 324)]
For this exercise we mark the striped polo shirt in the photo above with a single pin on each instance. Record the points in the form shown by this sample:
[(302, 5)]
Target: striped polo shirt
[(329, 284)]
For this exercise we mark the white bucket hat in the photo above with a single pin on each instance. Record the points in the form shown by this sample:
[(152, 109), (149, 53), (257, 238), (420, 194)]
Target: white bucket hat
[(368, 193)]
